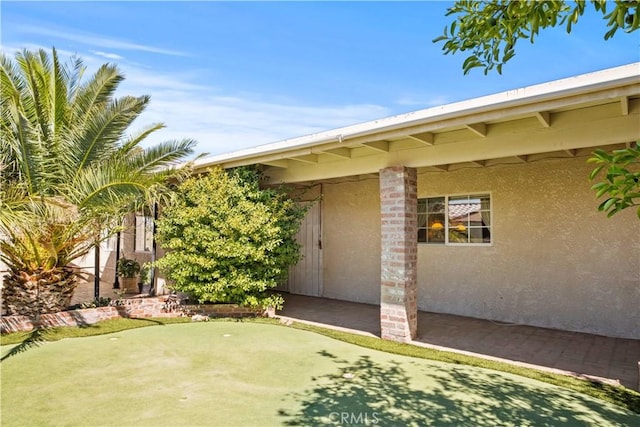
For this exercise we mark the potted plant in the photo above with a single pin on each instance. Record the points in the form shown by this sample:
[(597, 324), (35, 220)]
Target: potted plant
[(128, 269), (145, 276)]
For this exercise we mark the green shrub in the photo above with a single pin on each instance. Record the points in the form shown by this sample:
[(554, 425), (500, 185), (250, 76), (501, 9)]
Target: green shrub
[(621, 182), (227, 240), (145, 273), (128, 267)]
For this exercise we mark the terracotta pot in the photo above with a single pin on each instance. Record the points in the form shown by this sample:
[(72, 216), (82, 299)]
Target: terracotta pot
[(130, 285)]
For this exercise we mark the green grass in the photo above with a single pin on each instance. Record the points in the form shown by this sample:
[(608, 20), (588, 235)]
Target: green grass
[(258, 373), (101, 328)]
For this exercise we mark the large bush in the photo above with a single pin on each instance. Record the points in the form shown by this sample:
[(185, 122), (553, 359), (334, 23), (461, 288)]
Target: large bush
[(228, 240)]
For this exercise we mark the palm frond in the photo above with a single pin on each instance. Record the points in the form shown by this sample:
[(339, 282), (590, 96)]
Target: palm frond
[(15, 207), (102, 134), (108, 186), (131, 143), (56, 145), (75, 71), (92, 94), (161, 156), (20, 152), (36, 68)]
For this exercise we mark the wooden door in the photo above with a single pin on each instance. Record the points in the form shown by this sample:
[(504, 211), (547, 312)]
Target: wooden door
[(305, 278)]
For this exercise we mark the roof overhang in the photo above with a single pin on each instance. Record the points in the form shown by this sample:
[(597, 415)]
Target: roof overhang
[(595, 109)]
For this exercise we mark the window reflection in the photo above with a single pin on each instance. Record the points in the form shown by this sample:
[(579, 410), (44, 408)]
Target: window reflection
[(462, 219)]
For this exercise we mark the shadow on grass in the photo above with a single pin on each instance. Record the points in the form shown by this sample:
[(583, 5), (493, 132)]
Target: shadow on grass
[(617, 395), (34, 339), (365, 392), (40, 335)]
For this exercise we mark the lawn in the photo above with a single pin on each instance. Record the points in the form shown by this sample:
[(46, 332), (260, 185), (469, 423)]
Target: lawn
[(243, 373)]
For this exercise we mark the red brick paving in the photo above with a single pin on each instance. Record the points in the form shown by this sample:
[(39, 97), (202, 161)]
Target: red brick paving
[(612, 359)]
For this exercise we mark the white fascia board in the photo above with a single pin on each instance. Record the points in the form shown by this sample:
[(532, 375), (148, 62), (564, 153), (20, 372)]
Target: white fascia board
[(576, 85)]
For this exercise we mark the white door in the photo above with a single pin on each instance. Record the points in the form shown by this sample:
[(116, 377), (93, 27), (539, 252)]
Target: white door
[(305, 278)]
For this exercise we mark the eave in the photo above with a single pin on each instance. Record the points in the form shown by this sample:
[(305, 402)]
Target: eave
[(547, 116)]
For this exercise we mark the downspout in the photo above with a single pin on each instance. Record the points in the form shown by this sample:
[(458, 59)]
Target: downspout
[(116, 281), (96, 271), (154, 248)]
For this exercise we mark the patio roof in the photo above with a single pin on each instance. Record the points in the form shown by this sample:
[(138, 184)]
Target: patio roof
[(436, 128)]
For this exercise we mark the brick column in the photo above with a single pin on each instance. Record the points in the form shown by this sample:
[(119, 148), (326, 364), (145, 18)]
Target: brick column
[(398, 281)]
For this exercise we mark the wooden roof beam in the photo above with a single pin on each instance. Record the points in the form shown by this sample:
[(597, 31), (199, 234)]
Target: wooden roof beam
[(343, 153), (309, 158), (544, 117), (624, 105), (282, 164), (425, 138), (381, 146), (479, 129)]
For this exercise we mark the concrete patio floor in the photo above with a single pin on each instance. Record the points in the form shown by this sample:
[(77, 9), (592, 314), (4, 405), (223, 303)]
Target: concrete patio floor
[(613, 360)]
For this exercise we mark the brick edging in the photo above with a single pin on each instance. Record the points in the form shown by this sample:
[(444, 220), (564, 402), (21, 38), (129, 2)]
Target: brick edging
[(128, 308)]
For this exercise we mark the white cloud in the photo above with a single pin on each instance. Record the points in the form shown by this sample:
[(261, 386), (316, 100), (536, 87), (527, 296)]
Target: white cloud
[(222, 123), (140, 80), (107, 55), (95, 40)]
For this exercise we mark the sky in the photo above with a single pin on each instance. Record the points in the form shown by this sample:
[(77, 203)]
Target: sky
[(234, 75)]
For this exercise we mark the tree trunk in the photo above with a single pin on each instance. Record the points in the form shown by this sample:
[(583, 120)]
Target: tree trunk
[(38, 292)]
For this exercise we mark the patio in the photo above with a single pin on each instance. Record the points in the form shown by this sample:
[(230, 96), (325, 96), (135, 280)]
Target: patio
[(613, 360)]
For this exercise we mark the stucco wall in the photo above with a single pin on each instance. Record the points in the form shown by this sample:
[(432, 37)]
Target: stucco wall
[(351, 240), (555, 261)]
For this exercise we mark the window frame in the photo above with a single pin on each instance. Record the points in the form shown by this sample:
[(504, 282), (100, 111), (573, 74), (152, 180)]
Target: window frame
[(147, 236), (446, 219)]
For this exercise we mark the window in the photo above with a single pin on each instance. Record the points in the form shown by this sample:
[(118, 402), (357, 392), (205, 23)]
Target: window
[(144, 233), (455, 219), (110, 243)]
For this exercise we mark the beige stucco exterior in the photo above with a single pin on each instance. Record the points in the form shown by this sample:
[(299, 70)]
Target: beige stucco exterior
[(351, 240), (555, 261)]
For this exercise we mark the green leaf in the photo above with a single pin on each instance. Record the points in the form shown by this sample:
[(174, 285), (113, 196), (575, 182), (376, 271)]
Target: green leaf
[(608, 204), (603, 190), (595, 172)]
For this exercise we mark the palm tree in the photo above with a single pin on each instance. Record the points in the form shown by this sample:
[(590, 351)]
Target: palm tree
[(69, 172)]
